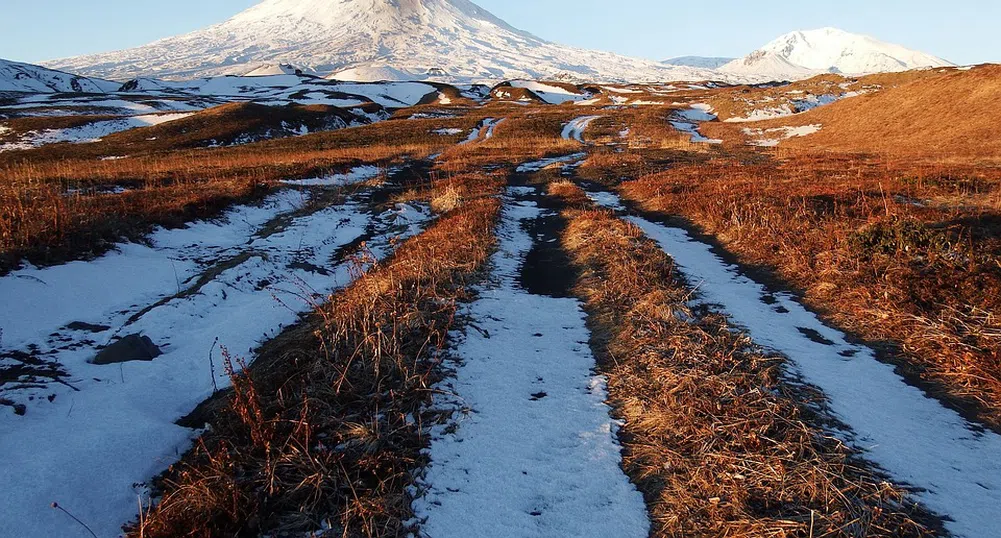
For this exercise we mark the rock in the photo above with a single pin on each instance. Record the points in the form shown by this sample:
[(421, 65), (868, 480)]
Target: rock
[(133, 347), (89, 327)]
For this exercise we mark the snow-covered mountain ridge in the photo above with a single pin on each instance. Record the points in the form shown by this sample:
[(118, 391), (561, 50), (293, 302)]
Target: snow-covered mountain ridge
[(442, 39)]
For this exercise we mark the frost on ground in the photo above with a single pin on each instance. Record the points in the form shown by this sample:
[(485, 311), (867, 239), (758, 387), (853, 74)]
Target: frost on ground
[(687, 121), (532, 451), (91, 132), (913, 437), (772, 137), (575, 129), (92, 435)]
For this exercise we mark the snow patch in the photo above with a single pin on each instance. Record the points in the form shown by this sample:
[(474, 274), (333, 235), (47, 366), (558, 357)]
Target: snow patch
[(355, 176), (535, 166), (553, 95), (575, 129), (688, 119), (89, 133), (772, 137)]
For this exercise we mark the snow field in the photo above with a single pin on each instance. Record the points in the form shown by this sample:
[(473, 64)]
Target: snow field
[(93, 448)]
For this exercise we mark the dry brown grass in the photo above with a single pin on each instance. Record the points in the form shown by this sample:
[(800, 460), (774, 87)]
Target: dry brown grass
[(38, 221), (717, 441), (949, 115), (44, 225), (742, 101), (906, 257), (318, 430)]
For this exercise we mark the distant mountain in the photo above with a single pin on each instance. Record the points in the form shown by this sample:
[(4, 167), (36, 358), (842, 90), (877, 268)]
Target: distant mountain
[(454, 37), (764, 65), (829, 50), (21, 77), (701, 62)]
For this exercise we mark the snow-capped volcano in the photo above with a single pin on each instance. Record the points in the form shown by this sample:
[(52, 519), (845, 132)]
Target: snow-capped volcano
[(801, 54), (418, 37)]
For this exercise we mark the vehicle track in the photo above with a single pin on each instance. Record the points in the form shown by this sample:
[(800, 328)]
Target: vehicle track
[(955, 465)]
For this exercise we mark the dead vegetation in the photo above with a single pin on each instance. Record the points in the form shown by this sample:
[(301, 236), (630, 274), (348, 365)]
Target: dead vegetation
[(908, 258), (53, 206), (716, 439), (942, 116), (316, 436)]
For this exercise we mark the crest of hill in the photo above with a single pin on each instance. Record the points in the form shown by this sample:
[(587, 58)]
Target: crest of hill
[(949, 115), (456, 37), (21, 77)]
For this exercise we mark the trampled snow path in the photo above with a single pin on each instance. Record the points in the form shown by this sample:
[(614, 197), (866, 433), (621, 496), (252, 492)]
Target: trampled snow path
[(93, 446), (913, 437), (575, 129), (532, 451), (490, 128), (687, 121)]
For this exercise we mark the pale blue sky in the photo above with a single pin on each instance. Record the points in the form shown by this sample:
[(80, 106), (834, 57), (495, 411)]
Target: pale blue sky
[(963, 31)]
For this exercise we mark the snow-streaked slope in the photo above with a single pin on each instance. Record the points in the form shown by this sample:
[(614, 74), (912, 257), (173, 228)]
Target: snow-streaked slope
[(276, 89), (701, 62), (21, 77), (829, 50), (278, 69), (373, 73), (91, 132), (455, 37)]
